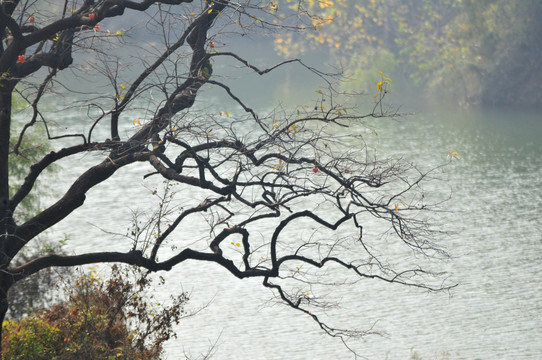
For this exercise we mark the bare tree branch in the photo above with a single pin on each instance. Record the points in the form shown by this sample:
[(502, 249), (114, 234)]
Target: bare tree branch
[(268, 191)]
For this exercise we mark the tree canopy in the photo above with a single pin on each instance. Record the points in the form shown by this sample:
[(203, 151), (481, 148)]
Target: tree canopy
[(276, 195), (473, 52)]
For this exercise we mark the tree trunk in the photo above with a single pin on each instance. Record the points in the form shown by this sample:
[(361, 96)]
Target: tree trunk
[(5, 125), (7, 225), (4, 287)]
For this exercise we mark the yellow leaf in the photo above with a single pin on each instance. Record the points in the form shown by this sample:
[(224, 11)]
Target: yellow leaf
[(138, 122), (454, 154), (227, 114), (238, 245), (122, 87), (279, 166), (325, 3), (396, 207), (379, 86), (319, 91), (210, 11)]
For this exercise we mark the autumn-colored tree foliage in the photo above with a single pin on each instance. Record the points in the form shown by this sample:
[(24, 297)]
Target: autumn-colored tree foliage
[(473, 51), (112, 319)]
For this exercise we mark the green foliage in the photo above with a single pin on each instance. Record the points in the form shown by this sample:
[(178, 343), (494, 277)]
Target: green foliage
[(34, 338), (34, 146), (473, 48), (365, 69), (473, 51), (100, 320)]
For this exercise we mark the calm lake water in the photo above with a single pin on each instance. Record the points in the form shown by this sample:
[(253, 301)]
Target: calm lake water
[(494, 218)]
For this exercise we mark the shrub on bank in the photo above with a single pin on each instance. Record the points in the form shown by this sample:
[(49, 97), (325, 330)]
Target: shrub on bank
[(100, 320)]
